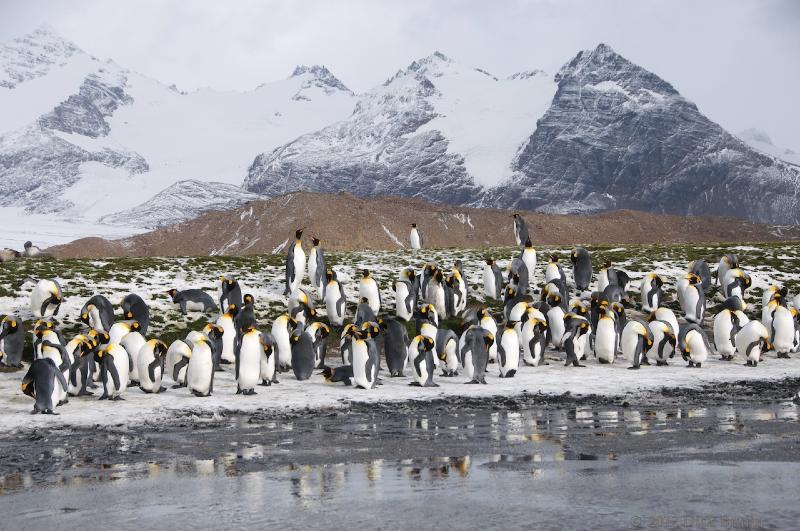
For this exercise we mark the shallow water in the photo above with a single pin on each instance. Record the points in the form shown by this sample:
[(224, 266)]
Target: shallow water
[(721, 467)]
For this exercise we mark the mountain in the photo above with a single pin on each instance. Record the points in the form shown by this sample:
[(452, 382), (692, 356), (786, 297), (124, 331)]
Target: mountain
[(761, 141), (267, 226), (437, 130), (83, 139)]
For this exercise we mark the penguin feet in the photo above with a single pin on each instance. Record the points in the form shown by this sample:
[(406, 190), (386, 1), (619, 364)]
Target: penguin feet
[(691, 365), (645, 362), (161, 389), (49, 412), (62, 402), (432, 385), (265, 383), (414, 384), (133, 384), (783, 355), (92, 385), (602, 361), (634, 368), (84, 392), (117, 398), (225, 362), (492, 361), (249, 392), (697, 365), (471, 382), (104, 397), (177, 386)]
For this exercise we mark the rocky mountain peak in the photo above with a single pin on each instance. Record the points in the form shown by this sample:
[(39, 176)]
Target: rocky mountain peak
[(528, 74), (33, 55), (319, 76)]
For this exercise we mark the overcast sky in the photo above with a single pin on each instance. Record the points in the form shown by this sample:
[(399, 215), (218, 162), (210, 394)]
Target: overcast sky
[(739, 60)]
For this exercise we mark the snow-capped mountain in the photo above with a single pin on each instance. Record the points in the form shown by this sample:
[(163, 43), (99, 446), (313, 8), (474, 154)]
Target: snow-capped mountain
[(81, 138), (761, 141)]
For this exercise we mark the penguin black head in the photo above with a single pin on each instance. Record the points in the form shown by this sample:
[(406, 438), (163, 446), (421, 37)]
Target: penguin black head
[(298, 233), (85, 318), (425, 344), (329, 275), (365, 273), (414, 225), (364, 300), (528, 242), (315, 241), (135, 326), (439, 276), (382, 323), (266, 347), (159, 349), (606, 264), (515, 216), (295, 337), (554, 258), (172, 292), (488, 338), (424, 310), (215, 332), (232, 309), (327, 373), (248, 299), (489, 261)]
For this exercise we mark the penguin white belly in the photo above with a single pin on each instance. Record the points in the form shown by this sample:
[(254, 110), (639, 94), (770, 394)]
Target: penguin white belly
[(176, 351), (59, 392), (332, 296), (40, 293), (360, 358), (450, 355), (228, 338), (299, 267), (680, 288), (658, 336), (462, 305), (428, 330), (783, 325), (487, 323), (267, 365), (121, 362), (510, 344), (312, 269), (605, 342), (698, 352), (422, 376), (629, 342), (436, 297), (369, 289), (401, 293), (488, 283), (555, 321), (517, 311), (690, 299), (766, 316), (415, 243), (281, 335), (722, 334), (192, 306), (602, 280), (551, 273), (469, 369), (145, 359), (133, 343), (200, 369), (529, 258), (250, 356)]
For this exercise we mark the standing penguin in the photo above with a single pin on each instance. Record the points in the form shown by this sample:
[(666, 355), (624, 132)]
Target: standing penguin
[(694, 300), (555, 320), (477, 343), (316, 267), (245, 320), (651, 292), (726, 326), (98, 313), (135, 309), (12, 341), (335, 299), (693, 345), (576, 333), (752, 341), (114, 366), (404, 298), (534, 341), (132, 343), (728, 261), (226, 322), (282, 329), (230, 292), (295, 263), (518, 276), (368, 289), (581, 268), (664, 340), (416, 237), (365, 367), (665, 314), (82, 349), (488, 323), (457, 292), (247, 370), (200, 372), (46, 298), (436, 293), (319, 333), (508, 350), (152, 358), (782, 330), (636, 341), (395, 345), (421, 353), (44, 382), (492, 280), (178, 356), (520, 229), (269, 350), (700, 268), (553, 271), (735, 283), (528, 255), (302, 354), (447, 351), (606, 338)]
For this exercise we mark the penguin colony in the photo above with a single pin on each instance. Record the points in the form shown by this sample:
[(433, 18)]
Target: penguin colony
[(115, 354)]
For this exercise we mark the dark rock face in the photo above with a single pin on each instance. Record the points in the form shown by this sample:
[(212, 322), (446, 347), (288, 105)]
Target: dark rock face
[(618, 136), (376, 151)]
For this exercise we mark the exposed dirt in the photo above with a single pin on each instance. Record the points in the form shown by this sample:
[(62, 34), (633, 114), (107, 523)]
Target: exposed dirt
[(345, 222)]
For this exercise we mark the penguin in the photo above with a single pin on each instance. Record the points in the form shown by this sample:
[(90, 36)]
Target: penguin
[(98, 313), (421, 353), (364, 313), (214, 334), (488, 323), (295, 263), (114, 366), (44, 382), (782, 331), (606, 337), (693, 345), (492, 280), (193, 300), (46, 298), (230, 292), (302, 312), (335, 299), (728, 261), (581, 268), (247, 369), (319, 333), (417, 241), (152, 358), (609, 275), (534, 341), (651, 292), (200, 371), (282, 329), (12, 341), (477, 343), (436, 293), (751, 342), (135, 309), (518, 276), (368, 289), (694, 300), (316, 267), (44, 330), (770, 293), (553, 271), (82, 348), (735, 283), (518, 310), (555, 321), (636, 341), (664, 341), (133, 343), (528, 256), (365, 366), (508, 350), (665, 314), (576, 330), (447, 351), (269, 349), (342, 374), (406, 291), (303, 362), (63, 360), (520, 229), (244, 320), (395, 345), (178, 356), (430, 330), (700, 268), (457, 292), (726, 326), (226, 322)]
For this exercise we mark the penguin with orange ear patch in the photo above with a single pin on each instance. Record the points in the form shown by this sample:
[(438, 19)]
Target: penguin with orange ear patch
[(421, 352)]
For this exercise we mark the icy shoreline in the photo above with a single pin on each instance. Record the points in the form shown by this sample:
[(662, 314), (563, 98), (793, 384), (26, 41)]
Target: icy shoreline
[(291, 396)]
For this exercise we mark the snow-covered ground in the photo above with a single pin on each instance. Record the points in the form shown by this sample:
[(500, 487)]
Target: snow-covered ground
[(263, 277)]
